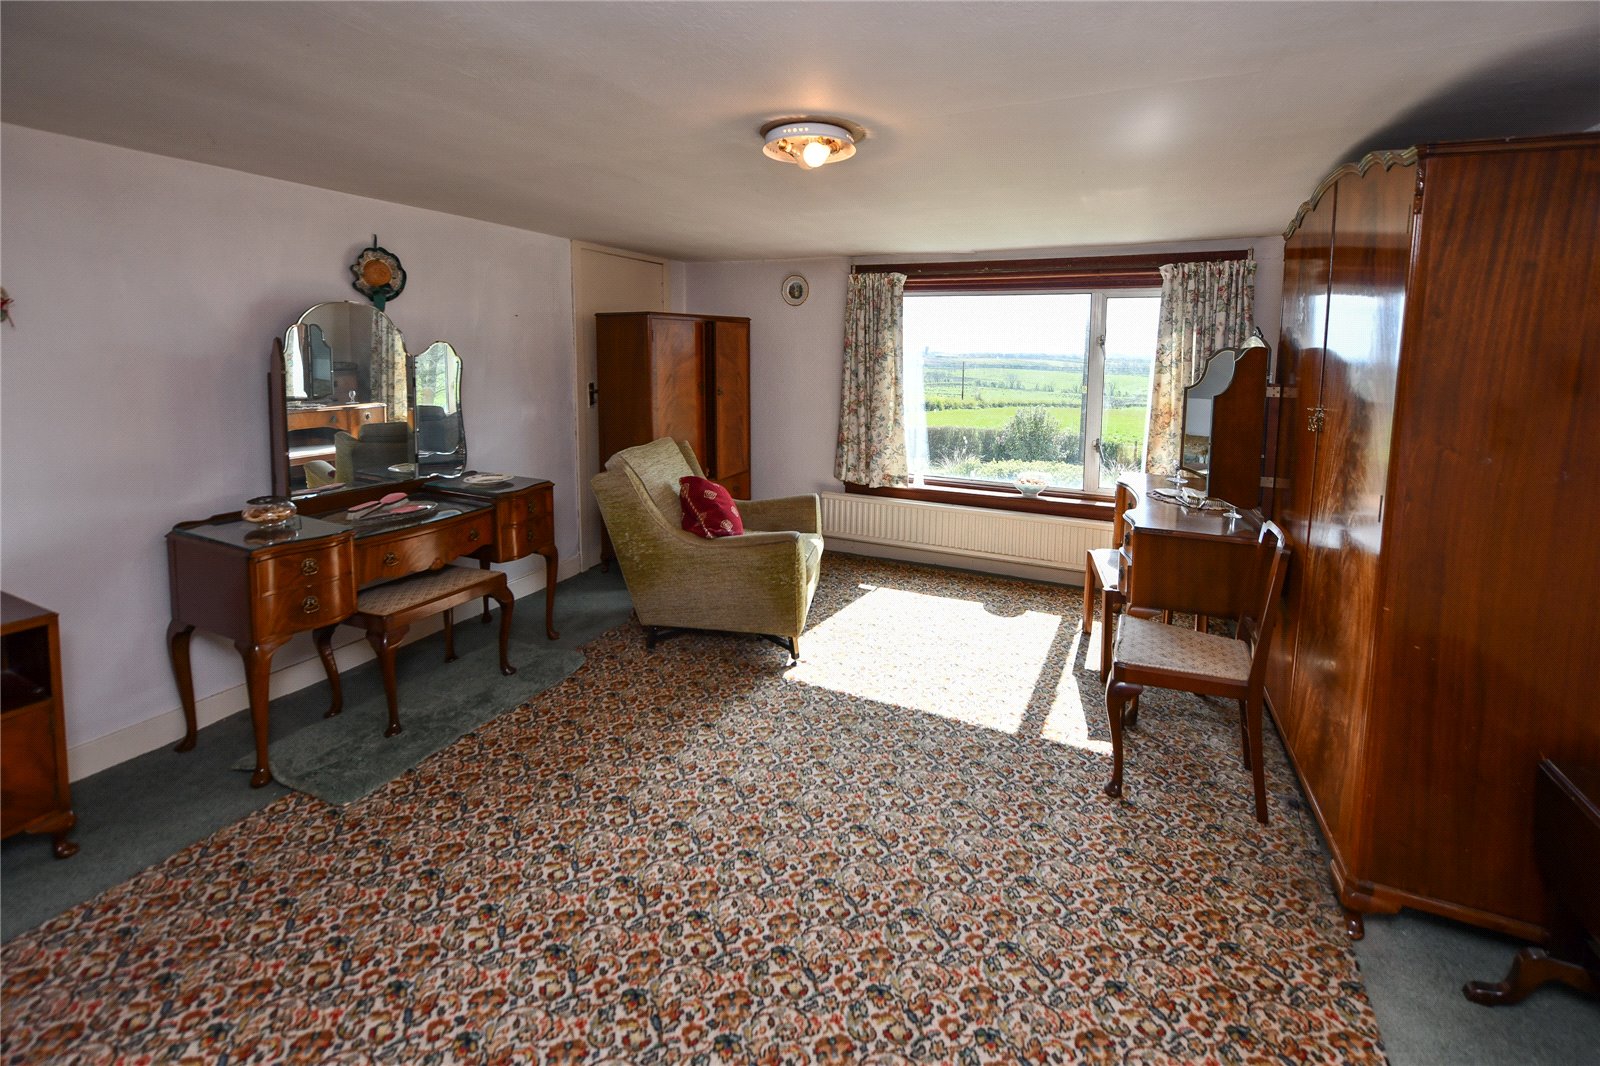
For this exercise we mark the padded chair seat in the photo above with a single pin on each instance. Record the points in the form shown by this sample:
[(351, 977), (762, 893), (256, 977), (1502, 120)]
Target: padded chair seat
[(1174, 649), (408, 592)]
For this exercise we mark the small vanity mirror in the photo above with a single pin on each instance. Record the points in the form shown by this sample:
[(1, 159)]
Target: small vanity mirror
[(441, 428), (1224, 418)]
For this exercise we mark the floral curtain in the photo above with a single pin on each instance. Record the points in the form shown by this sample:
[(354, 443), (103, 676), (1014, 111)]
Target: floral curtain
[(390, 381), (1204, 306), (872, 435)]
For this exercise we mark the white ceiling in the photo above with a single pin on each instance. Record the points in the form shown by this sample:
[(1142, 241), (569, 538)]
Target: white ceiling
[(991, 126)]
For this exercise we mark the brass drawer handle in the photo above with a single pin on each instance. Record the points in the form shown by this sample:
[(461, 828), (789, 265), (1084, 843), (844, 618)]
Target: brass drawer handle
[(310, 605), (473, 536), (531, 508), (390, 558), (308, 566)]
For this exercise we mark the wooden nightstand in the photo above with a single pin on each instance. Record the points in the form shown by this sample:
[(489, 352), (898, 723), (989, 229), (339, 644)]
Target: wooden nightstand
[(34, 792)]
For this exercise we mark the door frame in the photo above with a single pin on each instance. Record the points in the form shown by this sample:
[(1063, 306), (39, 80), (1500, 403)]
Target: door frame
[(586, 300)]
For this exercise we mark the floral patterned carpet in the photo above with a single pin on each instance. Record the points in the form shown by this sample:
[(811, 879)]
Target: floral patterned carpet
[(896, 852)]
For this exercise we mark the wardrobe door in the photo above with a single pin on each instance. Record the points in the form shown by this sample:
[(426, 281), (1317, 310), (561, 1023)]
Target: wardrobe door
[(1353, 420), (1490, 584), (678, 380), (1306, 257), (729, 344)]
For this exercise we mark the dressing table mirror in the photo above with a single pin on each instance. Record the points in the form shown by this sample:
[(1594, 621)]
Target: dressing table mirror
[(351, 409), (441, 429), (1224, 423)]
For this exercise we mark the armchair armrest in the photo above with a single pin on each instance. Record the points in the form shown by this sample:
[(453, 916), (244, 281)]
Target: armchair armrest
[(800, 513)]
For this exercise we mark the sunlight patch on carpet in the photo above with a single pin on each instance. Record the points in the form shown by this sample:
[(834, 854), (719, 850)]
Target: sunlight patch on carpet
[(1067, 723), (949, 657)]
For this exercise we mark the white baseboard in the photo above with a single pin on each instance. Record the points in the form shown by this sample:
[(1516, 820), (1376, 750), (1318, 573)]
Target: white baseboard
[(167, 728)]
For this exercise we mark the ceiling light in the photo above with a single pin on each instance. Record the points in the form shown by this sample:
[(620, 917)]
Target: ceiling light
[(808, 143)]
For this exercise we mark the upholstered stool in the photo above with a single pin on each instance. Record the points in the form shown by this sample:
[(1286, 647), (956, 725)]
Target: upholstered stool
[(387, 611)]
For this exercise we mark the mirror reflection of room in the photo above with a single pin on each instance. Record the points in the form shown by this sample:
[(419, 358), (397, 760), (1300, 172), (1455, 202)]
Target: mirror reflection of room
[(1221, 441), (358, 410)]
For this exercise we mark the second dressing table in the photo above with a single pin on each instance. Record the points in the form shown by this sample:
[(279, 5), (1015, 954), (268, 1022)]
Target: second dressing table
[(259, 587), (1183, 559)]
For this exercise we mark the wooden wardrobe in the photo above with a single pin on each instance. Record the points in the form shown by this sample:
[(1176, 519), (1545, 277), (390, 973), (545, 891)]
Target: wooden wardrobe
[(680, 376), (1440, 372)]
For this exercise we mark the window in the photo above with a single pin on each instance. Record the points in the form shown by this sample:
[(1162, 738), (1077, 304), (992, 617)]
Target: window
[(1006, 383)]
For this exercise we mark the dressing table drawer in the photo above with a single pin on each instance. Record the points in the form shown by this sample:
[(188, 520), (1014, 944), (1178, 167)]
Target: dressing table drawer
[(525, 524), (318, 566), (418, 550), (293, 610)]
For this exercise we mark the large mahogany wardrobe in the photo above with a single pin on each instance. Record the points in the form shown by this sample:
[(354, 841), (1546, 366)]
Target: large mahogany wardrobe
[(1439, 481), (680, 376)]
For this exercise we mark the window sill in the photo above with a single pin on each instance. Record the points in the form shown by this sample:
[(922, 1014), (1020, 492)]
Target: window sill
[(1059, 503)]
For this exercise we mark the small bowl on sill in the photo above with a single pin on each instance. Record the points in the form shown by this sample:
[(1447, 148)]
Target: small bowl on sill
[(1030, 485)]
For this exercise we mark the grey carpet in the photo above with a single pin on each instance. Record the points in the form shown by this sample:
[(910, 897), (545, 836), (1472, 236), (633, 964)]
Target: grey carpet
[(343, 758)]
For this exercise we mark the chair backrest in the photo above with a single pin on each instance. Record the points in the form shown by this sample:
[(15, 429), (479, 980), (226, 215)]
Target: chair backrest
[(1272, 562), (657, 466), (380, 446)]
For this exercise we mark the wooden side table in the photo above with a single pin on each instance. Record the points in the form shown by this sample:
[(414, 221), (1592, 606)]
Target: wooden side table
[(35, 796), (1566, 846)]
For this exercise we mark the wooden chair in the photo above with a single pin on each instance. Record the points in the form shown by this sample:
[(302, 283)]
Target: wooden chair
[(1148, 653), (387, 612), (1102, 571)]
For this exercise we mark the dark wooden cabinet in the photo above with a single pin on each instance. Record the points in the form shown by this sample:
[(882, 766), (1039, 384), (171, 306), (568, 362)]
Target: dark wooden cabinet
[(680, 376), (1440, 623), (35, 796)]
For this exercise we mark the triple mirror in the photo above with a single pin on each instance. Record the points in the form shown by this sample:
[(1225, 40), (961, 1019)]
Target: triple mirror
[(353, 409), (1224, 423)]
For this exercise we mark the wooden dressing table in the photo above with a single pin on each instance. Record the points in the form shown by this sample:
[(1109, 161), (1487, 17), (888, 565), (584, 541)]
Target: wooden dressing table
[(259, 588), (1182, 559)]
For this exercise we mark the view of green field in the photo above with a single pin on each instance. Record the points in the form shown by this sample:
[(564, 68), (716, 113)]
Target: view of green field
[(1004, 378), (987, 393)]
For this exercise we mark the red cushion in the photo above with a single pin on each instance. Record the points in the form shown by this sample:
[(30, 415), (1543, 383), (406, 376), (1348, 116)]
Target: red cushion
[(708, 510)]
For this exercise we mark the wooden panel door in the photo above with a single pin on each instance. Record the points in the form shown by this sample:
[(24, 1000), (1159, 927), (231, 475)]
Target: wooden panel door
[(603, 279), (1489, 647), (729, 343), (678, 381), (1307, 257), (1338, 607)]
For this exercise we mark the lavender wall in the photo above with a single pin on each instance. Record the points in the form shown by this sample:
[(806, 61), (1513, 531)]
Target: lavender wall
[(795, 363), (132, 389)]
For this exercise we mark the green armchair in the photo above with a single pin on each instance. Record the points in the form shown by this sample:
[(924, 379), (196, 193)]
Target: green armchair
[(760, 582)]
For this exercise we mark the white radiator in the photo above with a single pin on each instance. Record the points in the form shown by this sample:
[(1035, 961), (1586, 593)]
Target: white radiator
[(1010, 537)]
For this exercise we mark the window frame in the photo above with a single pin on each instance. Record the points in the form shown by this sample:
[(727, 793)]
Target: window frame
[(1009, 276)]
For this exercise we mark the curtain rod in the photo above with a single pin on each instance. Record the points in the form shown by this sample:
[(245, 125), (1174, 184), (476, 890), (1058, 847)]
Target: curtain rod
[(1025, 267)]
